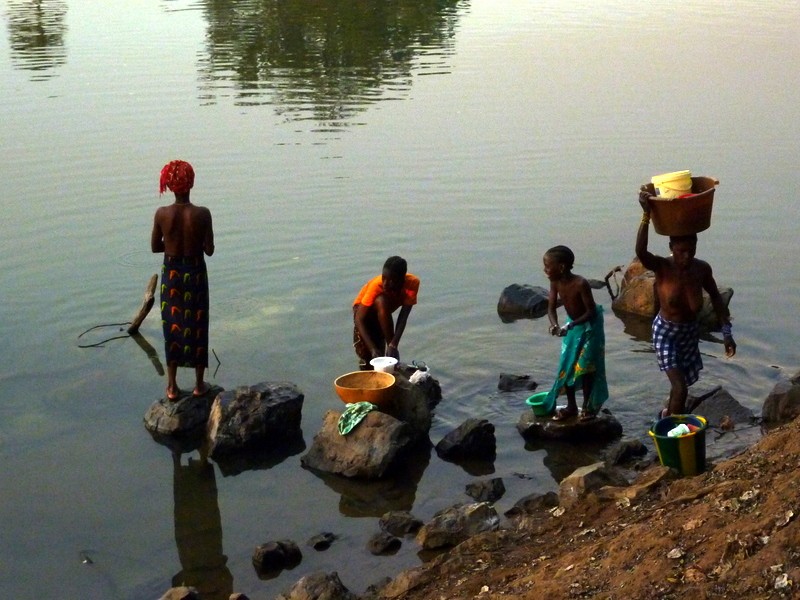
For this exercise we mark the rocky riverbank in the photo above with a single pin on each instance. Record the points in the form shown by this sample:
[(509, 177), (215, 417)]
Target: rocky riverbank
[(731, 532)]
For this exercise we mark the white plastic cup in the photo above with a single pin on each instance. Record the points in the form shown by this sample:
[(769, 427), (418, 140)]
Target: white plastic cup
[(384, 364), (678, 431)]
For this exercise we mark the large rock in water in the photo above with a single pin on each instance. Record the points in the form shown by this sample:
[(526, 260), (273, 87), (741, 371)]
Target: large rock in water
[(522, 302), (604, 427), (783, 403), (186, 416), (371, 450), (637, 297), (264, 415)]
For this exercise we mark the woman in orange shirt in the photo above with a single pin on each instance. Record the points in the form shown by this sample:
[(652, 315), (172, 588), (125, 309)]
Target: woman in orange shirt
[(375, 333)]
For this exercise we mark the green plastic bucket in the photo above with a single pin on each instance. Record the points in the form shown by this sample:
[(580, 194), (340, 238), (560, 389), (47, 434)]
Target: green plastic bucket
[(686, 453), (540, 406)]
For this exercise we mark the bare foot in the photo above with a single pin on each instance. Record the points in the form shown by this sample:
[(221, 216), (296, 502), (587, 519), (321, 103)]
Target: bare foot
[(173, 394), (562, 414), (201, 391)]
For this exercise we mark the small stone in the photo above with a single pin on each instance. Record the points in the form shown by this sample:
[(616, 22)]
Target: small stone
[(782, 582)]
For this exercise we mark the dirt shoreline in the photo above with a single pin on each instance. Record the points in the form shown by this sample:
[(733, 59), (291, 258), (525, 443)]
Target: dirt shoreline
[(731, 532)]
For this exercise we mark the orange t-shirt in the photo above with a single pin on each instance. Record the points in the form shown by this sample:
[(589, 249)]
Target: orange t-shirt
[(407, 296)]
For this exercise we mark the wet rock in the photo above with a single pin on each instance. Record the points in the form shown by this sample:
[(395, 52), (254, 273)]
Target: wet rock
[(383, 543), (406, 581), (624, 451), (273, 557), (185, 416), (322, 541), (238, 596), (585, 480), (513, 383), (411, 405), (318, 586), (399, 523), (604, 427), (488, 490), (260, 416), (426, 382), (783, 402), (371, 450), (181, 593), (522, 302), (717, 405), (453, 525), (637, 297), (533, 503), (641, 487), (473, 440)]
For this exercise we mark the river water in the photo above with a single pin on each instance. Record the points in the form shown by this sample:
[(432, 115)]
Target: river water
[(466, 135)]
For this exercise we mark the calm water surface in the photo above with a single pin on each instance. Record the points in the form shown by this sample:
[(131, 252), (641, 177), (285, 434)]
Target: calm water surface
[(466, 135)]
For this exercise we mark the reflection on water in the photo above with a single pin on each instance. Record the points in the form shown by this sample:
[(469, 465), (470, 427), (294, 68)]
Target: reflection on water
[(36, 30), (374, 498), (198, 530), (322, 61)]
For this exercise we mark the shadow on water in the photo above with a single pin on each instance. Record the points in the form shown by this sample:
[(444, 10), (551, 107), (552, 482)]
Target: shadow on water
[(322, 61), (36, 32)]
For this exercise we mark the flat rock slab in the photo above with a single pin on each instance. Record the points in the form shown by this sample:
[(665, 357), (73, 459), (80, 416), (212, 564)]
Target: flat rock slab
[(604, 427)]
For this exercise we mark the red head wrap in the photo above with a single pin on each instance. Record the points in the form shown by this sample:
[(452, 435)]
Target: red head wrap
[(177, 176)]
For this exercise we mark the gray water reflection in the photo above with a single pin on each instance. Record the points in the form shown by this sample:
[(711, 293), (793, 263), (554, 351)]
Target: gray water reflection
[(322, 61), (198, 530), (36, 31)]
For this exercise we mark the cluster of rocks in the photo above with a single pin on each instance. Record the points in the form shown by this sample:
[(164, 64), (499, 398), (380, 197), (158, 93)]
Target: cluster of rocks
[(232, 426)]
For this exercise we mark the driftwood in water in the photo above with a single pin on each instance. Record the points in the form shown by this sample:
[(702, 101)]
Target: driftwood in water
[(147, 304)]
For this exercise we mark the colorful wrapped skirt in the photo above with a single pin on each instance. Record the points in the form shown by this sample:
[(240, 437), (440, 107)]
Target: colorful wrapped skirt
[(184, 310)]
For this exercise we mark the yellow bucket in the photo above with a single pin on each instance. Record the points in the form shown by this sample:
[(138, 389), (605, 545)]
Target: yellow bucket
[(673, 185)]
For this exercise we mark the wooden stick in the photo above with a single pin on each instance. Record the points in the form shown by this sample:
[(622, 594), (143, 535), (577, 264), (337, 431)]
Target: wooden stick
[(147, 304)]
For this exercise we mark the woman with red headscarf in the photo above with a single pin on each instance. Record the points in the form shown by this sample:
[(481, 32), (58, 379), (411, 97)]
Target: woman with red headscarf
[(183, 232)]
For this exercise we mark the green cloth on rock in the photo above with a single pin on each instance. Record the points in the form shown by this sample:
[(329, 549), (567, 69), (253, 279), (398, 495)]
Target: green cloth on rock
[(353, 415)]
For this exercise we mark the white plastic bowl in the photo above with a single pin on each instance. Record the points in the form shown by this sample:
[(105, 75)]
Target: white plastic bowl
[(384, 364)]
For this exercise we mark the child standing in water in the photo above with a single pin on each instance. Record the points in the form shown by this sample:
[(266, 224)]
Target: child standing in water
[(582, 359)]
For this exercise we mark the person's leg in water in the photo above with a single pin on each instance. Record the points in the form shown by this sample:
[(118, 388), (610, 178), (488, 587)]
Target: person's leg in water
[(571, 409), (588, 384), (677, 394)]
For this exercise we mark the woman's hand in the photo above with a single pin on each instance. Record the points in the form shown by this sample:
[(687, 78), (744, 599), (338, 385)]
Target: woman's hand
[(644, 197)]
